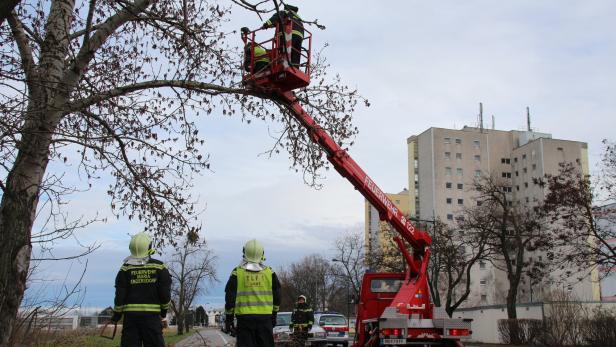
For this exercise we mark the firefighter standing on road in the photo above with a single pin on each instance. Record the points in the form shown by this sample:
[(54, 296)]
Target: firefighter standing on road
[(302, 319), (297, 34), (252, 295), (143, 293)]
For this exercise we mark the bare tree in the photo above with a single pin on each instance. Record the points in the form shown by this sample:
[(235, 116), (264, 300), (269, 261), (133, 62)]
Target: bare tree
[(312, 277), (509, 231), (111, 89), (350, 253), (453, 255), (192, 268), (580, 226)]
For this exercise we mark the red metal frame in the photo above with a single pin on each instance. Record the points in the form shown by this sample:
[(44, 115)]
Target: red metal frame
[(280, 75)]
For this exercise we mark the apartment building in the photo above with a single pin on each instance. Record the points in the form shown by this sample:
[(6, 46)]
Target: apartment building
[(442, 165)]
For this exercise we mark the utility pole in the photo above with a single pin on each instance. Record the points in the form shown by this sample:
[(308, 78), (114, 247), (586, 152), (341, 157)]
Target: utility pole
[(528, 118)]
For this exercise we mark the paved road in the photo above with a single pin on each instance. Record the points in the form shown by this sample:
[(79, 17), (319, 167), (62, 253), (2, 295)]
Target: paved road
[(210, 337)]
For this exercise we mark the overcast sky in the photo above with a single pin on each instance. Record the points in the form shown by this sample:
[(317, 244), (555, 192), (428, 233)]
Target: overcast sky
[(421, 64)]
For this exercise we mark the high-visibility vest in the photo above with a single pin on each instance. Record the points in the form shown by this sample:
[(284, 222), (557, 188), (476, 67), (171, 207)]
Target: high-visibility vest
[(254, 291), (261, 54)]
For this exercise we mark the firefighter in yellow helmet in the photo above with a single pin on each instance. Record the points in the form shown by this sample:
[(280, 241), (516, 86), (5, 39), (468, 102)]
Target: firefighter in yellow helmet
[(142, 295), (252, 295), (297, 34), (258, 59)]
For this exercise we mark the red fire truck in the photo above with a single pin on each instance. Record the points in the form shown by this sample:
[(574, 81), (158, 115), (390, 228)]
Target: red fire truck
[(394, 309)]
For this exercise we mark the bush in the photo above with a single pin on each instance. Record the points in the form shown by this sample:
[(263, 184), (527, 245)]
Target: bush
[(600, 330), (519, 331)]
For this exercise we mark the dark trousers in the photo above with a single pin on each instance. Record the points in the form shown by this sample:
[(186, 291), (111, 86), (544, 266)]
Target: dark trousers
[(142, 330), (296, 48), (254, 331), (296, 52)]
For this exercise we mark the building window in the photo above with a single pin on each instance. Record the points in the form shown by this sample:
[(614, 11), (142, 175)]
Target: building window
[(449, 216), (448, 201), (534, 167), (459, 171), (476, 144), (577, 160), (515, 159), (460, 186), (524, 170), (482, 282), (505, 161), (527, 200), (447, 155), (448, 185), (506, 174), (482, 264), (525, 184), (517, 174), (559, 148), (448, 140), (523, 156), (517, 188), (477, 158), (458, 141), (458, 155), (448, 171), (484, 298), (507, 189), (477, 173), (460, 201)]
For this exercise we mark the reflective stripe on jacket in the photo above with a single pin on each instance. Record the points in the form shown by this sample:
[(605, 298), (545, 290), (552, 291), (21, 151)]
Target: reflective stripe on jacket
[(143, 288), (254, 292)]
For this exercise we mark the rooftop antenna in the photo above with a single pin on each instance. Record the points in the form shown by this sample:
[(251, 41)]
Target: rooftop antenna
[(528, 118), (480, 117), (493, 123)]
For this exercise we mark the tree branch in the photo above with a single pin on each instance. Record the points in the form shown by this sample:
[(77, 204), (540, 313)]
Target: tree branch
[(6, 9), (27, 59), (207, 88)]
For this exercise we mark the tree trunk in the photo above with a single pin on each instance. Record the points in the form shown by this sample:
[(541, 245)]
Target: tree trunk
[(511, 301), (17, 213), (180, 320)]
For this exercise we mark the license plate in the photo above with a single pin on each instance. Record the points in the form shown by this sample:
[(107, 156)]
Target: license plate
[(335, 333), (394, 341)]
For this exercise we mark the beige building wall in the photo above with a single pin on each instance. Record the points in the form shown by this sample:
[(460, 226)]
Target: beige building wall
[(374, 227), (443, 164)]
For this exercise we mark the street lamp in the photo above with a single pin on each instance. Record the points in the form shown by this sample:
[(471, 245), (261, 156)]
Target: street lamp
[(348, 298)]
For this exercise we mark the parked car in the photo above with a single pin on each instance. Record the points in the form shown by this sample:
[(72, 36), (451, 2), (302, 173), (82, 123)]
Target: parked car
[(282, 333), (336, 326)]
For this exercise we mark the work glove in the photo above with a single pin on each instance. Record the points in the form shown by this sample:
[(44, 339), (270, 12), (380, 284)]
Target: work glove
[(274, 315), (116, 316)]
